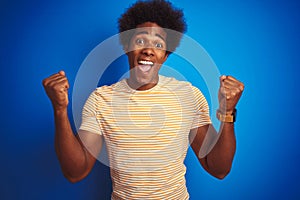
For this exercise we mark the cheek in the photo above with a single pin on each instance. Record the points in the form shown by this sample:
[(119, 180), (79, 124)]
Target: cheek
[(162, 56), (131, 56)]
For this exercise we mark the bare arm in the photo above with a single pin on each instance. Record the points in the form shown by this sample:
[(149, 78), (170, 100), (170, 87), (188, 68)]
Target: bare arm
[(73, 151), (75, 160), (215, 151)]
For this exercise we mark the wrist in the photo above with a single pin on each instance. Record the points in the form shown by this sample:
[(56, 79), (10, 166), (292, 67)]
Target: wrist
[(226, 116), (60, 111), (226, 111)]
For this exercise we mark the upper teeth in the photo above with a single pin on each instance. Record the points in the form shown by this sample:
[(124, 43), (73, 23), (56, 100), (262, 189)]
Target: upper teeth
[(144, 62)]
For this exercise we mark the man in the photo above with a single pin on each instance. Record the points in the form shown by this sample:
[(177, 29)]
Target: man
[(147, 120)]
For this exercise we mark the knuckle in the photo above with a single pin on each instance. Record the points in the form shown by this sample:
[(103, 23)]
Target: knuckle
[(45, 82), (51, 84), (242, 86), (56, 87)]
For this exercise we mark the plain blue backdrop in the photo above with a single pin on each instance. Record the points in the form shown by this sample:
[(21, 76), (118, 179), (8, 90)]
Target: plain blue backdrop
[(256, 41)]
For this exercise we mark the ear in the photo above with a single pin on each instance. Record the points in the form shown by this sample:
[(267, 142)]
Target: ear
[(166, 56), (125, 49)]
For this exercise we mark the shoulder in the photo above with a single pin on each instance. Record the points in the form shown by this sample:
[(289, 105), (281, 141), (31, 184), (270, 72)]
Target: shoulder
[(174, 84), (108, 89), (101, 94), (177, 85), (182, 87)]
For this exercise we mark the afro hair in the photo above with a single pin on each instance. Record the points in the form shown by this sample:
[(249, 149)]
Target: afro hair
[(160, 12)]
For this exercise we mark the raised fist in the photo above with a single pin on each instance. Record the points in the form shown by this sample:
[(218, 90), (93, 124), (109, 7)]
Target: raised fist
[(229, 93), (56, 87)]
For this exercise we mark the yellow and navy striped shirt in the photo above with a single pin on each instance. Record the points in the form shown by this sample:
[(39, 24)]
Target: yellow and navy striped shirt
[(146, 134)]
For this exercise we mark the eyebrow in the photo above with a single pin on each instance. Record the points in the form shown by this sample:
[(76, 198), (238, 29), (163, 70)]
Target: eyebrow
[(145, 32)]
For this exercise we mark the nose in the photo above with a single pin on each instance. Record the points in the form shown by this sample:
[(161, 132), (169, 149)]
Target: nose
[(147, 51)]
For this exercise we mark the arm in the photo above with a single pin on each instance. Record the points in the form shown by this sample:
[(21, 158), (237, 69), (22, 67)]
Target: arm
[(215, 151), (75, 160)]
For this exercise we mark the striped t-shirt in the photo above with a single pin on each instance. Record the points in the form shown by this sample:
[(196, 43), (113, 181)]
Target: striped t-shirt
[(146, 134)]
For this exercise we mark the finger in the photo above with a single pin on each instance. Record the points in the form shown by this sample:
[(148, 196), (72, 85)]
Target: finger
[(62, 73), (58, 74), (53, 77), (234, 85), (234, 90), (222, 91), (47, 80), (227, 93), (242, 86), (222, 78), (230, 84), (235, 82), (64, 81), (57, 80), (231, 78), (62, 85)]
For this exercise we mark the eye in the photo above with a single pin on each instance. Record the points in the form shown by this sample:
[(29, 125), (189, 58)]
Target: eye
[(140, 41), (158, 45)]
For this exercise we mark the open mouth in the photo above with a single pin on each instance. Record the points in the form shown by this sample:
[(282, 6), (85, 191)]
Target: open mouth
[(145, 65)]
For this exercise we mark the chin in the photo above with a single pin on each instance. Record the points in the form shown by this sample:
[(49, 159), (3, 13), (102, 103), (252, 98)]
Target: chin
[(141, 81)]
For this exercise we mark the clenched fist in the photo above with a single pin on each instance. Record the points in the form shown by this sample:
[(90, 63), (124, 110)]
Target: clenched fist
[(229, 93), (56, 87)]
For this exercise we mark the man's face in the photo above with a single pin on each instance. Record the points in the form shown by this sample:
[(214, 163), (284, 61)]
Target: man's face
[(146, 53)]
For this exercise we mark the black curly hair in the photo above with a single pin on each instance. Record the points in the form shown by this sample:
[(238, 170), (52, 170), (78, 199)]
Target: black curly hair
[(160, 12)]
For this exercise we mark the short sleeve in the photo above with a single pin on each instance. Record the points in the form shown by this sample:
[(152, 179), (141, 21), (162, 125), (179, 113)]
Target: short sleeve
[(89, 115), (201, 107)]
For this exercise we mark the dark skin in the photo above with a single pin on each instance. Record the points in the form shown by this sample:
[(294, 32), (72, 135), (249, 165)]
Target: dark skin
[(147, 44), (215, 151), (77, 153), (75, 160)]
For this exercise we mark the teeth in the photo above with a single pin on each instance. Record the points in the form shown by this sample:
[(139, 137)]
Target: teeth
[(144, 62)]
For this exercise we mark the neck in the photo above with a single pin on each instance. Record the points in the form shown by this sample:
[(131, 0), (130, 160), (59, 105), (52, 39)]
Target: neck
[(141, 86)]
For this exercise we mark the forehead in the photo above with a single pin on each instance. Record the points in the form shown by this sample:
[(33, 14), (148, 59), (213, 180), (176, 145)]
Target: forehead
[(151, 29)]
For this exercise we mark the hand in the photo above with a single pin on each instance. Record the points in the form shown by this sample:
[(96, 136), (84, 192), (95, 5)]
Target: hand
[(56, 87), (229, 93)]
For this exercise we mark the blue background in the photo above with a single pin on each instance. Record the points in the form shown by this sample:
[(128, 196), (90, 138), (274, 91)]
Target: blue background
[(256, 41)]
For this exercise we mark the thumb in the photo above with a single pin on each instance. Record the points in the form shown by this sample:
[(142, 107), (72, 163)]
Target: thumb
[(62, 73), (222, 78)]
